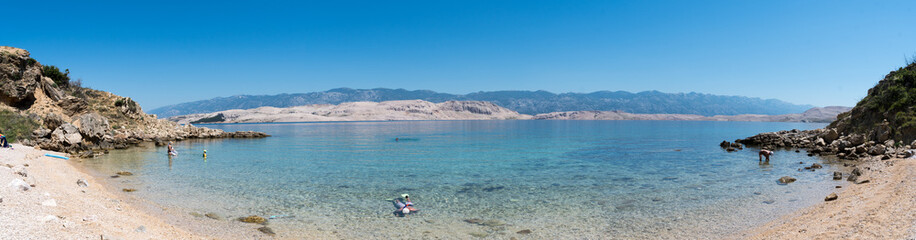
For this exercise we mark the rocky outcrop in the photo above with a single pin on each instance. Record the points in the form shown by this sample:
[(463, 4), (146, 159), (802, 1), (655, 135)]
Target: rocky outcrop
[(886, 112), (818, 142), (877, 128), (82, 121), (818, 114), (94, 126), (361, 111), (20, 76), (66, 135)]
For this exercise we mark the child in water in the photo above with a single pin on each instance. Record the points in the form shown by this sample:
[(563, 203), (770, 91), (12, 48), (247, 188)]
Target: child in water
[(404, 208)]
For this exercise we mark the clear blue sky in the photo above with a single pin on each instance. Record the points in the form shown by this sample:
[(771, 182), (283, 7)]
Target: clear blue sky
[(162, 52)]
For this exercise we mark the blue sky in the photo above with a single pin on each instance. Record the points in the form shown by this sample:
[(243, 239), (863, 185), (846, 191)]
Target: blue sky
[(164, 52)]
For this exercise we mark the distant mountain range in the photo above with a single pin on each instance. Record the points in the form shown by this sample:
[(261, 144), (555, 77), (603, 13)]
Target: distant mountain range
[(525, 102)]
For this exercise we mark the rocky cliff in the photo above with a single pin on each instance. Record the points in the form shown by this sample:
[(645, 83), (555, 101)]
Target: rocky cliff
[(818, 114), (882, 125), (360, 111), (887, 112), (81, 120)]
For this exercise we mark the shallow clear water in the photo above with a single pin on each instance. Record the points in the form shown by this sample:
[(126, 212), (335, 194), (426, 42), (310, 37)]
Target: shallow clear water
[(560, 179)]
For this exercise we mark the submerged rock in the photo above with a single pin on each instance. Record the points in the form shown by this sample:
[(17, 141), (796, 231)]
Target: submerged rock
[(253, 219), (125, 173), (267, 231), (129, 190), (786, 180), (474, 221), (478, 234), (214, 216), (493, 223), (526, 231), (837, 176)]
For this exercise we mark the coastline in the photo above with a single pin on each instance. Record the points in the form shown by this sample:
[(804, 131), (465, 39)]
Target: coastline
[(879, 209), (57, 207)]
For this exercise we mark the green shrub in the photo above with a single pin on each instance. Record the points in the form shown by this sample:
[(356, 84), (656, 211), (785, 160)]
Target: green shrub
[(16, 127), (218, 118), (60, 78)]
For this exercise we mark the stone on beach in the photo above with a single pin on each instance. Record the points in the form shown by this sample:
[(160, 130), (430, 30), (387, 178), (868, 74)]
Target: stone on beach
[(526, 231), (19, 184), (125, 173), (82, 183), (129, 190), (837, 176), (831, 197)]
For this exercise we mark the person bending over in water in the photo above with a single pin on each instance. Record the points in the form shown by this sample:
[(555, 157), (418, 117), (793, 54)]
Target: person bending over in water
[(404, 208), (764, 153)]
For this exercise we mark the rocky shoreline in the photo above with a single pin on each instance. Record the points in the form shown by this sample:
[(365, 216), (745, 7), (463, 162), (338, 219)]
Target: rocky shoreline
[(94, 136), (67, 117), (829, 142)]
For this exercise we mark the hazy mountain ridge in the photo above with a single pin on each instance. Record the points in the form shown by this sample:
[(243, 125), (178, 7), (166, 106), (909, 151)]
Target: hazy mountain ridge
[(823, 115), (525, 102), (360, 111)]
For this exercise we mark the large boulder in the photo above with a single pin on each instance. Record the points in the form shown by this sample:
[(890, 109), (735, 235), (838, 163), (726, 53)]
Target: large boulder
[(830, 135), (52, 121), (856, 139), (73, 105), (878, 149), (50, 89), (67, 134), (94, 126), (19, 77), (41, 133)]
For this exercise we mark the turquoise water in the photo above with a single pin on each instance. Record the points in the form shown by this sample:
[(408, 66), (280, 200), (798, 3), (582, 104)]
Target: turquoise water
[(559, 179)]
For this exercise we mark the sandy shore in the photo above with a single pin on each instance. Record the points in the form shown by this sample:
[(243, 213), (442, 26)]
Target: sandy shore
[(884, 208), (54, 206)]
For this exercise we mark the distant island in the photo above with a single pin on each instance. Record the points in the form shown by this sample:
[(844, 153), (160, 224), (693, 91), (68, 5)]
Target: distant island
[(524, 102), (463, 110)]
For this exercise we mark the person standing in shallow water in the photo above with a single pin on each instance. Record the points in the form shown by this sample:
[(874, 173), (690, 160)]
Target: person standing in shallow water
[(764, 153)]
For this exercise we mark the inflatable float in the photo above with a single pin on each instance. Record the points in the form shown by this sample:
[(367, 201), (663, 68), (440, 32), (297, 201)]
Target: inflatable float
[(56, 156)]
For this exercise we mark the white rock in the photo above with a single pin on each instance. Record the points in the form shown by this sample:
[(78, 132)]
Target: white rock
[(49, 218), (18, 183), (49, 203)]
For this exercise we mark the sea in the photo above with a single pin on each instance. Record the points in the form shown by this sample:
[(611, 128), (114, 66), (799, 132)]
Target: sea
[(540, 179)]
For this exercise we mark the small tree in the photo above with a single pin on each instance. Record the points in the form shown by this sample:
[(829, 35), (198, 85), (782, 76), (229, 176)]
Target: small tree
[(60, 78)]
